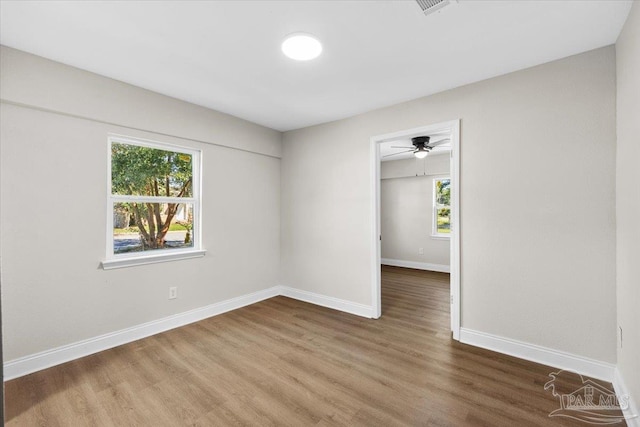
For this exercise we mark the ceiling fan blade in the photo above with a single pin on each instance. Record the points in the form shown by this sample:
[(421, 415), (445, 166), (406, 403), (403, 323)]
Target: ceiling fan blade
[(436, 138), (439, 142), (399, 152), (396, 146), (441, 134)]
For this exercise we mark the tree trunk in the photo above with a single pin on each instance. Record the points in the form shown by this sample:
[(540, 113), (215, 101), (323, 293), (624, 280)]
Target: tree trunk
[(140, 224), (153, 238), (151, 220)]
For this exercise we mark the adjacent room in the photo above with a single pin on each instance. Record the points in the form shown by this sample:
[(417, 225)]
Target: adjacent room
[(319, 213)]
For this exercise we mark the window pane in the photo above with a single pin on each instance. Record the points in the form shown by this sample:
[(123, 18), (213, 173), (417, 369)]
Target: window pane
[(443, 191), (444, 220), (442, 210), (144, 171), (152, 226)]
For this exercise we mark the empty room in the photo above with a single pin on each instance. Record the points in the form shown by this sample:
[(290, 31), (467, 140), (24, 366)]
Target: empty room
[(320, 213)]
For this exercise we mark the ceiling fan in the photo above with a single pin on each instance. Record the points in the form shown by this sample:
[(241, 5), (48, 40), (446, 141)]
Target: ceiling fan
[(422, 145)]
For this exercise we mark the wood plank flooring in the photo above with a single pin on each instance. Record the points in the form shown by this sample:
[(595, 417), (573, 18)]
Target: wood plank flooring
[(283, 362)]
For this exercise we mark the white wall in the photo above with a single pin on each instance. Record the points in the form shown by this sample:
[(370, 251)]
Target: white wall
[(628, 201), (406, 212), (537, 151), (53, 144), (30, 80)]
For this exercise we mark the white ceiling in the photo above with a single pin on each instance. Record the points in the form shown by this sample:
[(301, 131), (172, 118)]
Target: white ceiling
[(226, 55)]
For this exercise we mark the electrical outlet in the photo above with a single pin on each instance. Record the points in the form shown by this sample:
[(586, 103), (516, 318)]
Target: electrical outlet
[(173, 292), (420, 251)]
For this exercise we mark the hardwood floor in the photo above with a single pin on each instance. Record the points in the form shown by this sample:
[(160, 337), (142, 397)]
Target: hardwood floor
[(285, 362)]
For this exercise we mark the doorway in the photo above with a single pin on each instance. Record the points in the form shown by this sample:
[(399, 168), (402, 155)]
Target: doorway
[(452, 129)]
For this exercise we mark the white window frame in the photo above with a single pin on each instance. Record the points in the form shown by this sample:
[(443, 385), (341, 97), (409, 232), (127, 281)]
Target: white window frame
[(162, 255), (434, 210)]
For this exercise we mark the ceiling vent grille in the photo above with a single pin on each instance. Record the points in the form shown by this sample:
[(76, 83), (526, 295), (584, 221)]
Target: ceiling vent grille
[(430, 6)]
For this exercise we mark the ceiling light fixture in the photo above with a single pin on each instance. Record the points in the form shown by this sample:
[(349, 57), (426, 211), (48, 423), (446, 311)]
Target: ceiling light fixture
[(421, 152), (301, 46), (422, 145)]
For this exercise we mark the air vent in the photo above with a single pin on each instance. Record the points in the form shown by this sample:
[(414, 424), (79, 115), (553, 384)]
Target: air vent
[(430, 6)]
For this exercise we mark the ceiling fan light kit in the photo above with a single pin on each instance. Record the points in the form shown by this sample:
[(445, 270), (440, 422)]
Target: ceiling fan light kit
[(422, 149), (421, 153)]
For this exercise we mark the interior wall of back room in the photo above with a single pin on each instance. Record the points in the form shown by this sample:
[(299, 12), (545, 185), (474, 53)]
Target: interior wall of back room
[(406, 210)]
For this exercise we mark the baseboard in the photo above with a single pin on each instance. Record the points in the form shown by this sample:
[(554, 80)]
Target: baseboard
[(46, 359), (632, 411), (442, 268), (546, 356), (329, 302), (543, 355)]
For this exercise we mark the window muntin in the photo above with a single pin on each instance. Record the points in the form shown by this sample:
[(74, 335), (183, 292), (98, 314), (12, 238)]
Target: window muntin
[(154, 198), (442, 207)]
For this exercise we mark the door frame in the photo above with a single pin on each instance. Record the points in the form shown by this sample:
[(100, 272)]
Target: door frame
[(453, 128)]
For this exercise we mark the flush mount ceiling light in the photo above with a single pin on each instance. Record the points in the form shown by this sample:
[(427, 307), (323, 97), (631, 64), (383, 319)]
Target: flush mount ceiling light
[(301, 46)]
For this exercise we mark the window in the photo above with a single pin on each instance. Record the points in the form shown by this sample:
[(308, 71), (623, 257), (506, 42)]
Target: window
[(153, 203), (442, 207)]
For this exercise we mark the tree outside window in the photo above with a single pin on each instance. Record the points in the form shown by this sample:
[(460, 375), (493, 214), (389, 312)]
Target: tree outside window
[(442, 207)]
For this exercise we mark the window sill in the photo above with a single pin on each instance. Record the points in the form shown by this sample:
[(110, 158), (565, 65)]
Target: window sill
[(114, 263), (440, 236)]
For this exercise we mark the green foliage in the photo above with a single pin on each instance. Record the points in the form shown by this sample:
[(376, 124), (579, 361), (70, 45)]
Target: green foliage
[(444, 220), (144, 171), (128, 230), (443, 201), (443, 192)]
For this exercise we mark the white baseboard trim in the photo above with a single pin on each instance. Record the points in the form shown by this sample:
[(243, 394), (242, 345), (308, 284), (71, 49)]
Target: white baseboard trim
[(543, 355), (46, 359), (442, 268), (632, 411), (56, 356), (329, 302)]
